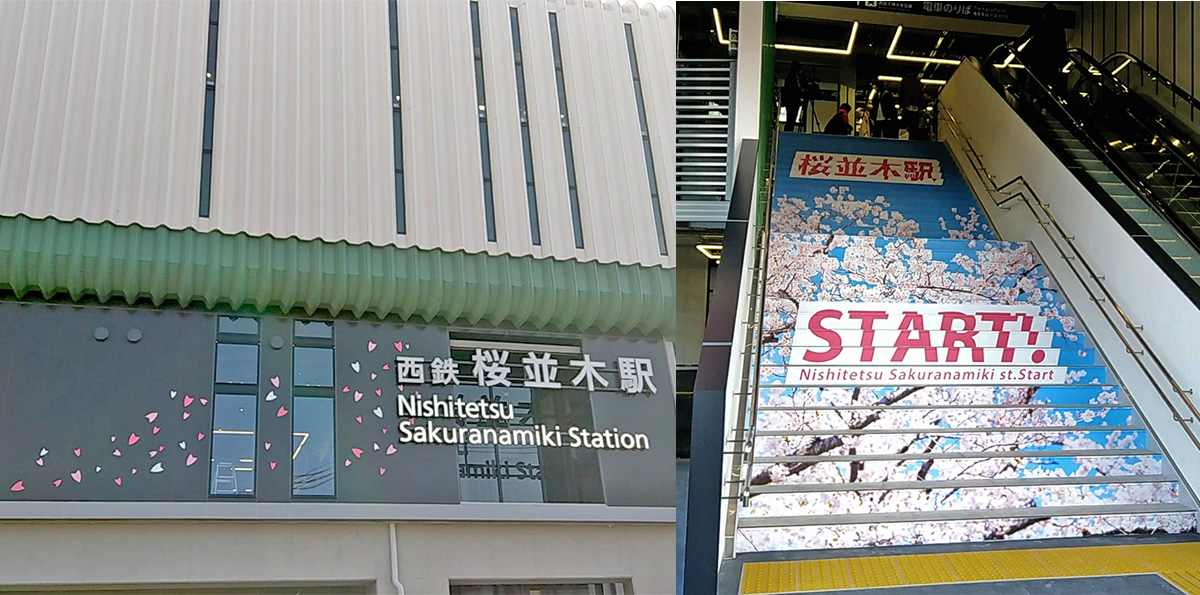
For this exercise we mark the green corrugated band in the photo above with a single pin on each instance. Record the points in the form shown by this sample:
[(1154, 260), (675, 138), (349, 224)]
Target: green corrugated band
[(112, 262)]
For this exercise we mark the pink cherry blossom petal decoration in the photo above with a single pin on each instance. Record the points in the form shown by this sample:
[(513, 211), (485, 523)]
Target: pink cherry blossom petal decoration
[(391, 449), (267, 445), (57, 482), (191, 459), (357, 396), (186, 414), (379, 392), (347, 464), (187, 400), (150, 417), (199, 435), (77, 476), (282, 411), (357, 452), (275, 381), (371, 346), (203, 401), (273, 465), (78, 451), (382, 470), (155, 430), (374, 376), (133, 438), (19, 486), (358, 418), (116, 452), (117, 481), (345, 389), (40, 462)]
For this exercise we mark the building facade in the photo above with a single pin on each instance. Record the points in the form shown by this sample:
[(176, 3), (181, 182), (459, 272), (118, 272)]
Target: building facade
[(336, 297)]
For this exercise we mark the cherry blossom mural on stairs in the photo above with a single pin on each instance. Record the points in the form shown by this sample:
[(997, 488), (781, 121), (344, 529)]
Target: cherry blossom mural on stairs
[(830, 460)]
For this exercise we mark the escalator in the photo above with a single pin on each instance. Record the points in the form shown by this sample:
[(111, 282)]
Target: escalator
[(1140, 163)]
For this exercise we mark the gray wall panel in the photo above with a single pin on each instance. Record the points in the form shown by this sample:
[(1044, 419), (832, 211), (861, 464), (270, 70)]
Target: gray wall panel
[(62, 389), (414, 473), (636, 477)]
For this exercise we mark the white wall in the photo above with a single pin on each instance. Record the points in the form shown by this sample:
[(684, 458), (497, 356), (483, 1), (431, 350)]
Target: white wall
[(102, 105), (1172, 323), (430, 555)]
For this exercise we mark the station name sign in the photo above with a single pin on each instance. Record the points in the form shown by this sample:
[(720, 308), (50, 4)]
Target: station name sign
[(866, 168), (487, 422), (865, 344)]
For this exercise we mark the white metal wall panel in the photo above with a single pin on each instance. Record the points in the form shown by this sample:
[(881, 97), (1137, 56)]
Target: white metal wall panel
[(99, 118), (302, 134), (549, 167), (444, 186), (513, 231), (654, 34)]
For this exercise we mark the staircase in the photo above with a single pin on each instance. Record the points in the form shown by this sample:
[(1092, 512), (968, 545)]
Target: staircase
[(703, 115), (872, 465)]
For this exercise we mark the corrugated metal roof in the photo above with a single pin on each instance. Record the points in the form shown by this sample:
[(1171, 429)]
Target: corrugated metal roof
[(127, 263)]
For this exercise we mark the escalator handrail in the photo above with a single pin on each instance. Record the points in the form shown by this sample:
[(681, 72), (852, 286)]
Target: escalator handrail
[(1106, 154), (1156, 75), (1173, 138)]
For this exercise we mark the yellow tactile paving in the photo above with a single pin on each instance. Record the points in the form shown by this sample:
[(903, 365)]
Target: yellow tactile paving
[(1178, 563)]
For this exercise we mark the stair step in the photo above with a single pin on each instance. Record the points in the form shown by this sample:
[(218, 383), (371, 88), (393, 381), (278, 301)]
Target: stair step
[(768, 408), (1077, 395), (1008, 482), (961, 515), (881, 431), (923, 456)]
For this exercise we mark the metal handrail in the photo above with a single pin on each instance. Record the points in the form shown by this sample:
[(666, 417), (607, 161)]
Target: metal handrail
[(1173, 139), (1108, 155), (747, 395), (1154, 75), (1028, 192)]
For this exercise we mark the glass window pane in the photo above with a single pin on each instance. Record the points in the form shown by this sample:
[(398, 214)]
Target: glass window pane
[(519, 467), (312, 447), (313, 366), (237, 325), (313, 330), (237, 364), (233, 444)]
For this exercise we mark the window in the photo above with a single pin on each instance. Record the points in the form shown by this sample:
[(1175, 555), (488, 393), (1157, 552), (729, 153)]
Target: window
[(313, 471), (397, 129), (526, 142), (646, 149), (235, 407), (518, 473), (312, 446), (484, 148), (607, 588), (233, 445), (210, 97), (565, 120)]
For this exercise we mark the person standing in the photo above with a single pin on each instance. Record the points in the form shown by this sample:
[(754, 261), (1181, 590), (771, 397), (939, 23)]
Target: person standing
[(792, 97), (912, 97), (1045, 51)]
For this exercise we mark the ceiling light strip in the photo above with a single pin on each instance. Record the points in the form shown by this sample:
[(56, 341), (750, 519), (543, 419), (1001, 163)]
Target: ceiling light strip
[(891, 53)]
